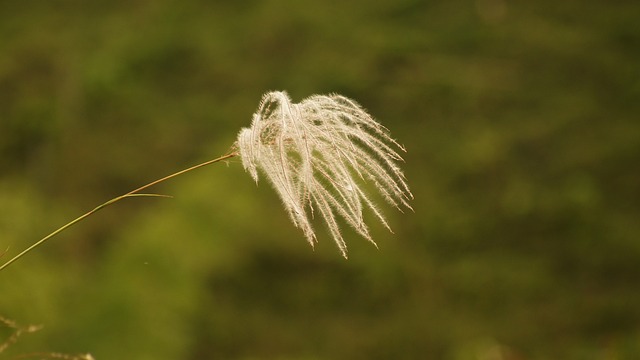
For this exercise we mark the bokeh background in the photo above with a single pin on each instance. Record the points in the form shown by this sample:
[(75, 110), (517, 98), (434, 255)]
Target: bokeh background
[(521, 124)]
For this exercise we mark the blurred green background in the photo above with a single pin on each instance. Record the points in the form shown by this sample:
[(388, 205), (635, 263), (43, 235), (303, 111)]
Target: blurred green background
[(523, 137)]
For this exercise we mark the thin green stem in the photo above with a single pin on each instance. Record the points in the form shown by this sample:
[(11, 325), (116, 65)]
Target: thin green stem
[(132, 193)]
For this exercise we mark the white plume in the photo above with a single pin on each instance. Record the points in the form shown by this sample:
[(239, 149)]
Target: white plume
[(317, 154)]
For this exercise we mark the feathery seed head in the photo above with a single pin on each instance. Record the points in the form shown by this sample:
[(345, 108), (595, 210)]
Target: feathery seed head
[(317, 154)]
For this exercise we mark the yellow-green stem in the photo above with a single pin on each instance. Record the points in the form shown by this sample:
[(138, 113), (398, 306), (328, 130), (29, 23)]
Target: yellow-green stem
[(132, 193)]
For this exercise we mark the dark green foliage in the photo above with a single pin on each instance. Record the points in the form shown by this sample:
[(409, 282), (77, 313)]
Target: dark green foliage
[(521, 125)]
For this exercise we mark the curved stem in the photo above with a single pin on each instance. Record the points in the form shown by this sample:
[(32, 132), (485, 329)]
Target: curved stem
[(132, 193)]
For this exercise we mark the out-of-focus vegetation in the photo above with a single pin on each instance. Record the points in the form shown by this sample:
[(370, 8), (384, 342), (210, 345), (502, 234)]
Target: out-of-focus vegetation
[(523, 137)]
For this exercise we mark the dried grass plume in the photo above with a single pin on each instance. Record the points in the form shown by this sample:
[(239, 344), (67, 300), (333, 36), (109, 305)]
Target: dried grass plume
[(317, 154)]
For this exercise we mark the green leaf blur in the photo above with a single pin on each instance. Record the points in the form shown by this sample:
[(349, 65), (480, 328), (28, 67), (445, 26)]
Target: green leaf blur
[(523, 137)]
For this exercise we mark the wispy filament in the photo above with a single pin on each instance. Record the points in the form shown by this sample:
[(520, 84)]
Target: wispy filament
[(317, 154)]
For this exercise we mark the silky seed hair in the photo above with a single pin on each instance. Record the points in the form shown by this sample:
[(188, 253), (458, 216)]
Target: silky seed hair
[(317, 155)]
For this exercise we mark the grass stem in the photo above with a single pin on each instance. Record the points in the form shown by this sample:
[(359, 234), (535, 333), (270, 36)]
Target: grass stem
[(132, 193)]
